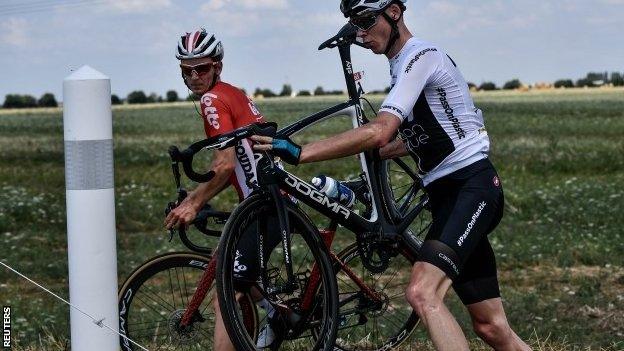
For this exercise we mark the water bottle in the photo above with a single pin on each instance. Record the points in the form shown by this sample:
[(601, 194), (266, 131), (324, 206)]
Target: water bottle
[(334, 190)]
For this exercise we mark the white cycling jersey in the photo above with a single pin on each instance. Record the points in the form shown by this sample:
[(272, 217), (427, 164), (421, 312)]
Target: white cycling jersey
[(442, 129)]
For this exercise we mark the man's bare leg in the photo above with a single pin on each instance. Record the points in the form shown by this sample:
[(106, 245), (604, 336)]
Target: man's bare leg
[(221, 338), (490, 323), (425, 293)]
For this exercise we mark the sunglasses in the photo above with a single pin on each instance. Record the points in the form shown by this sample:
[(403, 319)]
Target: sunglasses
[(365, 22), (199, 69)]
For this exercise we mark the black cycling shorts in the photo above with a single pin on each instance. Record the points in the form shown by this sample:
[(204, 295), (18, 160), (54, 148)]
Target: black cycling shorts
[(466, 205), (247, 260)]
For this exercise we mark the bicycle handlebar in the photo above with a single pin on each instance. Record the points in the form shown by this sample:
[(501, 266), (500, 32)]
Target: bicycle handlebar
[(219, 142), (201, 223)]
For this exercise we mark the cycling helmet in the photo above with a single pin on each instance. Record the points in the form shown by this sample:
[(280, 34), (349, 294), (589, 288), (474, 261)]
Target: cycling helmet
[(352, 8), (199, 44), (360, 7)]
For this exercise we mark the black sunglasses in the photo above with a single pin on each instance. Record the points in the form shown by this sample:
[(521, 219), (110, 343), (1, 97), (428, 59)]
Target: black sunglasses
[(199, 69), (364, 22)]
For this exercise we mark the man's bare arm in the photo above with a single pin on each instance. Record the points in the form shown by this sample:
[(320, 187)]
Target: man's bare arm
[(223, 165), (375, 134)]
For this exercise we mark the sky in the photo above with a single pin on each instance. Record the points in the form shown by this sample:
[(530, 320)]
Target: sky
[(272, 42)]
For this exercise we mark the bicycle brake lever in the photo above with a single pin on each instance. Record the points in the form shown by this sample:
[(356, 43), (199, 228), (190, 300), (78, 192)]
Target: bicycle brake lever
[(170, 206), (182, 194)]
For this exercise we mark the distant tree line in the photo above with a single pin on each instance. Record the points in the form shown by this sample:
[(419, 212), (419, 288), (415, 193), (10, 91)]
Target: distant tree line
[(287, 91), (592, 79), (29, 101)]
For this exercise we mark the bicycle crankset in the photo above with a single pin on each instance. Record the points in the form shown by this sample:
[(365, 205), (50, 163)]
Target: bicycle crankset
[(375, 253)]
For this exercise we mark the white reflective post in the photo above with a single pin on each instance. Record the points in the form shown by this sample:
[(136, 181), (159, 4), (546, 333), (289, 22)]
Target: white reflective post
[(87, 122)]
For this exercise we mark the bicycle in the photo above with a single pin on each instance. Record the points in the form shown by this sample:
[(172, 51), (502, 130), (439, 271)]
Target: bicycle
[(154, 297), (158, 306), (380, 238)]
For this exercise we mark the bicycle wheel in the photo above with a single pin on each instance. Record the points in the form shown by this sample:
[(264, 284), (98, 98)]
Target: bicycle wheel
[(299, 311), (365, 323), (154, 297), (401, 190)]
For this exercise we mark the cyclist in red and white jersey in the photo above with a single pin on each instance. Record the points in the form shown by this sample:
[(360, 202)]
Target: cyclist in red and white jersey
[(224, 108)]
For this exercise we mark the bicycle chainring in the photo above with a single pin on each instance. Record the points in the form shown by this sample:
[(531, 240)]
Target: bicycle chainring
[(375, 253)]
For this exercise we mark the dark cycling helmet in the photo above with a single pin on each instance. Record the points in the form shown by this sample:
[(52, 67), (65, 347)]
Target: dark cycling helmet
[(360, 7), (375, 7), (198, 44)]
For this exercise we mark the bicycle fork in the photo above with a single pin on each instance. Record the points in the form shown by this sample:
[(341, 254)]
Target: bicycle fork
[(200, 293), (191, 313)]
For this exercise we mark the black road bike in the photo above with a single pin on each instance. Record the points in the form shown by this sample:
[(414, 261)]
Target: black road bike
[(297, 277)]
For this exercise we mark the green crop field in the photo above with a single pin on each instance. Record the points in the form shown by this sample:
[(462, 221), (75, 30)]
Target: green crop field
[(560, 246)]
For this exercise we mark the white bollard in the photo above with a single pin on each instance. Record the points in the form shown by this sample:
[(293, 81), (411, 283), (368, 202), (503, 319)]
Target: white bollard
[(91, 234)]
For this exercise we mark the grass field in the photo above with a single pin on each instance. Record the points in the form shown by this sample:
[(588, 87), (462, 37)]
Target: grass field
[(560, 246)]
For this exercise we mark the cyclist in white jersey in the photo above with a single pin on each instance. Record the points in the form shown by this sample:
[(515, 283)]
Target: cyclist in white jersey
[(430, 109)]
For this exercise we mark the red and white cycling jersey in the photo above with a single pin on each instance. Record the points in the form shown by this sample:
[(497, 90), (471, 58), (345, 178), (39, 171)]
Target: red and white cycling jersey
[(225, 108)]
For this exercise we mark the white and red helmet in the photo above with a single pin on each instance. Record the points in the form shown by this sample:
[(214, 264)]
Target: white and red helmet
[(198, 44)]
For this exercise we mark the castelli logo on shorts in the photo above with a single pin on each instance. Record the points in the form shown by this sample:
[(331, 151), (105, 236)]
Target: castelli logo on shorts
[(449, 261), (496, 181)]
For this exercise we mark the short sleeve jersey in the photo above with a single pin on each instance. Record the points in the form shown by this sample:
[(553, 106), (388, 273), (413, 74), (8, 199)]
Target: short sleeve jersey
[(441, 128), (225, 108)]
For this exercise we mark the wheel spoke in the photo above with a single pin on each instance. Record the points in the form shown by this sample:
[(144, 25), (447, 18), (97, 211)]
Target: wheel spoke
[(150, 315), (172, 291)]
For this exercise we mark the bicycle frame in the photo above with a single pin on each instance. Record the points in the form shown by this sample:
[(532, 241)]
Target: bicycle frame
[(276, 179)]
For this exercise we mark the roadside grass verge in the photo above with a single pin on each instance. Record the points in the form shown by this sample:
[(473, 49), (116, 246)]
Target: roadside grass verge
[(559, 247)]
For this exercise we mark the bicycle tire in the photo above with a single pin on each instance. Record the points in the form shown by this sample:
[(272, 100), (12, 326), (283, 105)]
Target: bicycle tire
[(364, 325), (308, 241), (142, 298)]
